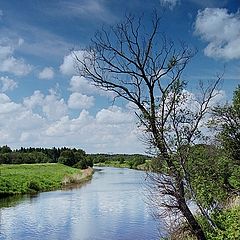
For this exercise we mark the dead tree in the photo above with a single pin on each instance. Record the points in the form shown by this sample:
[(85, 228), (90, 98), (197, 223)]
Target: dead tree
[(142, 66)]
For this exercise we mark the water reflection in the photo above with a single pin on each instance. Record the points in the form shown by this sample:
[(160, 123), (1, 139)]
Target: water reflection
[(110, 207)]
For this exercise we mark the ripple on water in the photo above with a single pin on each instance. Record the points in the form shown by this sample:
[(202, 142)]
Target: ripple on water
[(110, 207)]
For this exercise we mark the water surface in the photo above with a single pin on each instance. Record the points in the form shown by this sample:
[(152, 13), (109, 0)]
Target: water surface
[(110, 207)]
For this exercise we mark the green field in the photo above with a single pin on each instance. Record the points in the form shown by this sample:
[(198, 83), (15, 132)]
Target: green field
[(30, 178)]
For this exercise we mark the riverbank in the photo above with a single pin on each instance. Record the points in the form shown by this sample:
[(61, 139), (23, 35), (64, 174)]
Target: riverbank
[(110, 206), (143, 167), (32, 178)]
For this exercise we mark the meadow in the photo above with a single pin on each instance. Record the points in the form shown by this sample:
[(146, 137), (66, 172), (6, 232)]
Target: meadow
[(31, 178)]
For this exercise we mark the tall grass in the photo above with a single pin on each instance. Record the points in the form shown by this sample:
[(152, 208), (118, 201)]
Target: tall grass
[(29, 178)]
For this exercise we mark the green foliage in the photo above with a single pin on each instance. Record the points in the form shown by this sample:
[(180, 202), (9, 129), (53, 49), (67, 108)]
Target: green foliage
[(21, 157), (234, 179), (212, 175), (34, 186), (136, 161), (5, 149), (67, 157), (27, 178), (75, 158), (228, 223), (228, 120)]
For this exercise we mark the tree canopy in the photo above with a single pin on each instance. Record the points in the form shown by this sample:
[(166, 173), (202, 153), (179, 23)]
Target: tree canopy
[(143, 66)]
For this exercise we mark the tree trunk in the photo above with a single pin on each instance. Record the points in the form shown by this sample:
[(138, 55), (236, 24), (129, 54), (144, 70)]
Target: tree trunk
[(180, 190), (195, 227)]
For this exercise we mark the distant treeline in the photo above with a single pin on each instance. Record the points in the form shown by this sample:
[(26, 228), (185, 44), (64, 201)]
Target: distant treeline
[(67, 156), (121, 160)]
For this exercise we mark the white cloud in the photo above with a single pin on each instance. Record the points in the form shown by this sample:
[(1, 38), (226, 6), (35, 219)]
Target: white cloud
[(114, 115), (81, 84), (109, 130), (43, 121), (7, 106), (7, 84), (8, 62), (34, 100), (15, 66), (46, 73), (16, 119), (51, 106), (54, 108), (219, 99), (221, 30), (69, 65), (80, 101), (169, 3)]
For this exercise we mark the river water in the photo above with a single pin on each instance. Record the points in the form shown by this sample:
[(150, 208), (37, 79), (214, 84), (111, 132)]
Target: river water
[(112, 206)]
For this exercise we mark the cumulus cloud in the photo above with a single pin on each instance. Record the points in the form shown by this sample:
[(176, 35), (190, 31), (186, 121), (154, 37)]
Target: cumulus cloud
[(17, 119), (69, 65), (8, 62), (7, 106), (34, 100), (219, 99), (169, 3), (44, 121), (7, 84), (51, 106), (81, 84), (28, 124), (114, 115), (112, 129), (221, 30), (80, 101), (46, 73)]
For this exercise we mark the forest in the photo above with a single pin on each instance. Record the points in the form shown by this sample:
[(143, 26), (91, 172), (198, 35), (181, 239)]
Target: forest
[(72, 157)]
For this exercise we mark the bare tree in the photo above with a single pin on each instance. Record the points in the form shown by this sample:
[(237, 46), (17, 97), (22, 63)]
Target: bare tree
[(142, 66)]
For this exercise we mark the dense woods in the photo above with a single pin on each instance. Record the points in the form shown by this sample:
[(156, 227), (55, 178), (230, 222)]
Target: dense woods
[(70, 157)]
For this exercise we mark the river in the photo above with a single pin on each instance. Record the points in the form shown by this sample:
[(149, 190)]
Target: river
[(112, 206)]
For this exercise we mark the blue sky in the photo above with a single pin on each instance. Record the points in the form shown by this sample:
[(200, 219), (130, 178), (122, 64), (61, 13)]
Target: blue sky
[(44, 103)]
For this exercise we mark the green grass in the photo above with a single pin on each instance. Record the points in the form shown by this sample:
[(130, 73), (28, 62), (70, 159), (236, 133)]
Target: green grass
[(126, 164), (30, 178), (112, 164)]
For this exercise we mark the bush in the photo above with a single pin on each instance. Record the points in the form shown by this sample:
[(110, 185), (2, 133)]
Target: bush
[(228, 223), (67, 157), (81, 164)]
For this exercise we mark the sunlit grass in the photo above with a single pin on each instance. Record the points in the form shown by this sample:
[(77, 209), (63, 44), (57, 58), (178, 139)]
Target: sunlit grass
[(27, 178)]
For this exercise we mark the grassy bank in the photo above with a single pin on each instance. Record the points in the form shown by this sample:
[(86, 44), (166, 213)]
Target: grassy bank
[(112, 164), (30, 178), (118, 164)]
